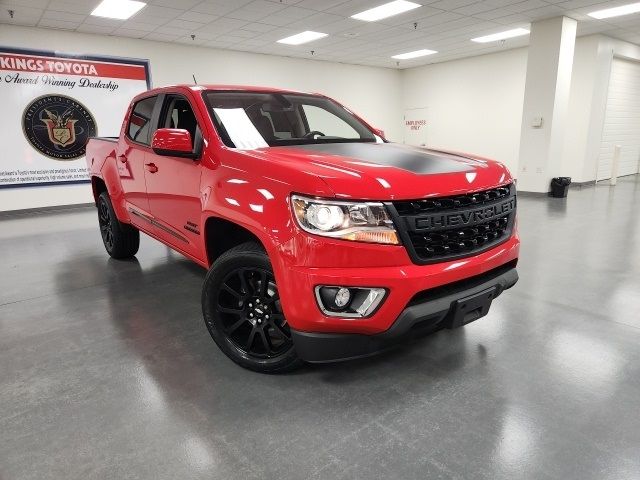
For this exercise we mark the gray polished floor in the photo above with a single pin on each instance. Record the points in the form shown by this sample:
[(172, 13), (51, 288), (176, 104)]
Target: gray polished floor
[(107, 370)]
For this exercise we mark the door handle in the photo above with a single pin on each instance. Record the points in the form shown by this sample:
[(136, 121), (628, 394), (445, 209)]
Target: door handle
[(151, 167), (122, 158)]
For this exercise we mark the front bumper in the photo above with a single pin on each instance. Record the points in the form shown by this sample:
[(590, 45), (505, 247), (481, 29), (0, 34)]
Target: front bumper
[(355, 264), (427, 311)]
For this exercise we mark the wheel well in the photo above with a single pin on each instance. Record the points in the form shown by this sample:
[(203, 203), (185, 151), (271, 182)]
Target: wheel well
[(98, 186), (221, 235)]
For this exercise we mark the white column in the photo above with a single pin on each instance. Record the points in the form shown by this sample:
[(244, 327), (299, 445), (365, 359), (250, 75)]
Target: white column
[(546, 102)]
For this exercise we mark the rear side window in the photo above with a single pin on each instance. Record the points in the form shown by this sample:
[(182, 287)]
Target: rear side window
[(140, 121)]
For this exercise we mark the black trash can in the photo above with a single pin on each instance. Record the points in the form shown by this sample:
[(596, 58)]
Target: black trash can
[(560, 186)]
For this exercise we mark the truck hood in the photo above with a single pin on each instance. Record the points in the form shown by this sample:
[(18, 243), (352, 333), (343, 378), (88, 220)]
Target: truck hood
[(388, 171)]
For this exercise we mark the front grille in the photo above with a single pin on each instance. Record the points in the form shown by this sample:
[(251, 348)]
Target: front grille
[(439, 229)]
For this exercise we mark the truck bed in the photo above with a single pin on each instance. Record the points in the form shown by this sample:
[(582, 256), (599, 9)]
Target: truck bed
[(98, 150)]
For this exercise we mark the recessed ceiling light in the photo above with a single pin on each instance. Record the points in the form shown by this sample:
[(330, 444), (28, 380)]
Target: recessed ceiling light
[(416, 54), (118, 9), (304, 37), (616, 11), (387, 10), (516, 32)]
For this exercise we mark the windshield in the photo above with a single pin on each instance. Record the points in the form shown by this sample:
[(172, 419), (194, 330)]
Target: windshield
[(251, 120)]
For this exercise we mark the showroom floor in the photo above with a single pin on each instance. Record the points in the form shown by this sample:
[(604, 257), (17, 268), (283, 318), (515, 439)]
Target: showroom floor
[(107, 370)]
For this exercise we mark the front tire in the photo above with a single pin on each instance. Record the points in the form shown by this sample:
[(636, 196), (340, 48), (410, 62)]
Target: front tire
[(120, 239), (242, 311)]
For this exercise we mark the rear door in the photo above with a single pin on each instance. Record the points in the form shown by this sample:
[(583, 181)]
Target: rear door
[(173, 183), (132, 151)]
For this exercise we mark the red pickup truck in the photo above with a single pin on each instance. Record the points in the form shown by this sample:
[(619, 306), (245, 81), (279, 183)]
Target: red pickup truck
[(322, 240)]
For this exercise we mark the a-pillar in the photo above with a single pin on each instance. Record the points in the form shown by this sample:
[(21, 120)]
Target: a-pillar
[(546, 102)]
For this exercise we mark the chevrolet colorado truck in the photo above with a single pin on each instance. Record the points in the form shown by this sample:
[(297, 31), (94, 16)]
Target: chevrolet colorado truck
[(323, 241)]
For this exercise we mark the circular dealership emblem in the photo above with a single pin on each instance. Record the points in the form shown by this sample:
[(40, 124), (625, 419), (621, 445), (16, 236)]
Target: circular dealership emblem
[(58, 126)]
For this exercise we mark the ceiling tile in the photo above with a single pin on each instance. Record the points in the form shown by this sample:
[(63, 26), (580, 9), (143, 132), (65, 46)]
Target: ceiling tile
[(450, 5), (24, 21), (64, 16), (158, 11), (40, 4), (144, 27), (125, 32), (22, 11), (184, 4), (247, 15), (59, 24), (524, 6), (256, 25), (150, 19), (320, 5), (197, 17), (265, 7), (219, 8), (184, 24), (161, 37), (72, 7), (94, 29)]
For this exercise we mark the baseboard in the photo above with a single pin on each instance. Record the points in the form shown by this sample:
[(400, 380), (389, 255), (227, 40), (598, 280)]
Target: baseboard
[(44, 210), (579, 185), (532, 194)]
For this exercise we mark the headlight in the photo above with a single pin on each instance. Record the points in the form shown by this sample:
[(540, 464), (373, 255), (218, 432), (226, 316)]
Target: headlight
[(357, 221)]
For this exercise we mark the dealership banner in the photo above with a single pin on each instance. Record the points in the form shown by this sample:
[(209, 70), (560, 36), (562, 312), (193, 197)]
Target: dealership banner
[(52, 103)]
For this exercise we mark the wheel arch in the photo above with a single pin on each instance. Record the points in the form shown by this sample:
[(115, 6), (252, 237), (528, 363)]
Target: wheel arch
[(98, 186), (220, 235)]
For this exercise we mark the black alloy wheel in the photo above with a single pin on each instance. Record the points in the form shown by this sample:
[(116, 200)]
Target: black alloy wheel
[(121, 240), (249, 307), (106, 224), (243, 313)]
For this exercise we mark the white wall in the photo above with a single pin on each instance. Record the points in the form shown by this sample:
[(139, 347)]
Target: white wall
[(587, 108), (374, 93), (547, 93), (622, 120), (588, 92), (474, 104)]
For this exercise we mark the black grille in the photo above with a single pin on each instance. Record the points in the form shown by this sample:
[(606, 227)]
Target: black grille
[(439, 229)]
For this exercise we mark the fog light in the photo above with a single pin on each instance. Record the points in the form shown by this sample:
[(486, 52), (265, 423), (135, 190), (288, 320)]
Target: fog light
[(349, 302), (342, 297)]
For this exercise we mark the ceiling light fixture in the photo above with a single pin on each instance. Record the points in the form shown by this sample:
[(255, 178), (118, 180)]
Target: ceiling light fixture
[(416, 54), (516, 32), (616, 11), (387, 10), (304, 37), (118, 9)]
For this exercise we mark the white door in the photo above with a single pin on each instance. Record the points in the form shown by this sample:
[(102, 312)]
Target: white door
[(415, 127), (622, 120)]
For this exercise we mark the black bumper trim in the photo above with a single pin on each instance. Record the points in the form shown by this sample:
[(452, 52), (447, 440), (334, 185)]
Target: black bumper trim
[(415, 320)]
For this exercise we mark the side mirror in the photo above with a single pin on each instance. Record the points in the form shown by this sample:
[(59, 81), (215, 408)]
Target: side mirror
[(173, 142)]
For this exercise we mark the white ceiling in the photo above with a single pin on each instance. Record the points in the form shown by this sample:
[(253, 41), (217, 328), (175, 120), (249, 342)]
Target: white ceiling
[(255, 25)]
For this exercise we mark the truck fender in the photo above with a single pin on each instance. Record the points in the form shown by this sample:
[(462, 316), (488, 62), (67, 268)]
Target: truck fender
[(111, 179)]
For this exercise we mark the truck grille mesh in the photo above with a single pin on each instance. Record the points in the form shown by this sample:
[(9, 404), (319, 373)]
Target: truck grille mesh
[(439, 229)]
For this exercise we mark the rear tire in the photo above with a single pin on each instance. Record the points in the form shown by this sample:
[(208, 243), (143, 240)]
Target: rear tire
[(242, 311), (120, 239)]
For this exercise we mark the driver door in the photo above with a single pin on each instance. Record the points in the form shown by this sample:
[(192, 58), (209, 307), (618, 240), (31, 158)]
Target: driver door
[(173, 183)]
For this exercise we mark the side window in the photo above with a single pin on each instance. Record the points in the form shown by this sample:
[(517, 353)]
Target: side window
[(326, 122), (179, 114), (140, 121)]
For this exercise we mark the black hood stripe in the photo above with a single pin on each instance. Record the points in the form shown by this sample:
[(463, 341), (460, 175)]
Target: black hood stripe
[(413, 159)]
